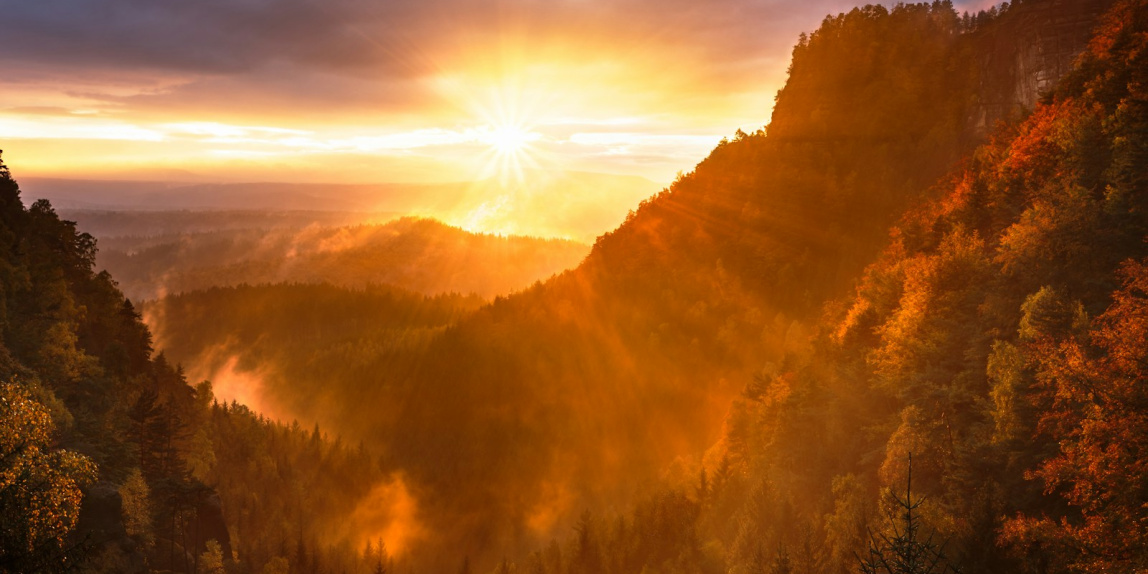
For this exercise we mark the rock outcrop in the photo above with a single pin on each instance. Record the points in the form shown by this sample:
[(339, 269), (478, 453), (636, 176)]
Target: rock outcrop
[(1032, 46)]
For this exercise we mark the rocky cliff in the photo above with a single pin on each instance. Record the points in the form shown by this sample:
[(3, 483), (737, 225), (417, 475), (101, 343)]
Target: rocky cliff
[(1030, 47)]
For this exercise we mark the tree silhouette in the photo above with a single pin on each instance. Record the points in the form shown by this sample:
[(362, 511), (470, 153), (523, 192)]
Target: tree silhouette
[(904, 552)]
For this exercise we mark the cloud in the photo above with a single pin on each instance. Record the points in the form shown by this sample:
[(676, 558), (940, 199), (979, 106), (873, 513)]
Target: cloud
[(312, 44), (370, 77), (39, 111)]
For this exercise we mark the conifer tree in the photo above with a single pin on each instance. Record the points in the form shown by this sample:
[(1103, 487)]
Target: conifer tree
[(905, 552)]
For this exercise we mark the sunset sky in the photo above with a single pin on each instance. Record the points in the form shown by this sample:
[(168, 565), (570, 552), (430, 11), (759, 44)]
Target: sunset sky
[(374, 91)]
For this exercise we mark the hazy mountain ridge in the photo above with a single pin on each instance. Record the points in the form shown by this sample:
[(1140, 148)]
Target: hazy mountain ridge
[(421, 255), (128, 195), (129, 230), (576, 205)]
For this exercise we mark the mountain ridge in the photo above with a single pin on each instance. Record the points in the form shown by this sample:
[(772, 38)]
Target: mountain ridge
[(418, 254)]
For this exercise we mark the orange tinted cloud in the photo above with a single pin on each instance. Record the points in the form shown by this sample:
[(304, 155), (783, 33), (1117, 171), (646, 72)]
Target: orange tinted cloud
[(405, 89)]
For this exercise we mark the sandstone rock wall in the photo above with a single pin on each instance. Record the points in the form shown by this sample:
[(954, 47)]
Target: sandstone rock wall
[(1032, 47)]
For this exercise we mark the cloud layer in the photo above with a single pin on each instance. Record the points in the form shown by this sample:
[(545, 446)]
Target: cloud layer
[(634, 86)]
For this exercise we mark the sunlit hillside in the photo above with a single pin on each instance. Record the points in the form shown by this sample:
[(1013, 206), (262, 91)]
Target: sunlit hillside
[(421, 255)]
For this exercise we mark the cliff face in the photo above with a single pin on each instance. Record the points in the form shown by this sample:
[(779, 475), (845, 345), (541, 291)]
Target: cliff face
[(1031, 47)]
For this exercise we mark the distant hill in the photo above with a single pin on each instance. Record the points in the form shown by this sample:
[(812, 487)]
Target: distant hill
[(575, 205), (165, 196), (420, 255), (133, 229)]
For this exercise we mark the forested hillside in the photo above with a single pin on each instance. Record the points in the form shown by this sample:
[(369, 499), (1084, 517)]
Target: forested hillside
[(322, 340), (112, 461), (626, 367), (997, 346)]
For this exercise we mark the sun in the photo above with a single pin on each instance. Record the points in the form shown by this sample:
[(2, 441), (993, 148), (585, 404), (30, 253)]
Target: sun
[(510, 149), (508, 139), (508, 127)]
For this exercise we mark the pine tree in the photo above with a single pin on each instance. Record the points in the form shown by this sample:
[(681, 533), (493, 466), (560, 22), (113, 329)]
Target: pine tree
[(905, 552), (781, 562)]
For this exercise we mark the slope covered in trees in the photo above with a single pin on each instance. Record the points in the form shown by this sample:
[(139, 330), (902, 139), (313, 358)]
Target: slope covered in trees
[(321, 339), (110, 461), (78, 373), (627, 364), (998, 343), (998, 339)]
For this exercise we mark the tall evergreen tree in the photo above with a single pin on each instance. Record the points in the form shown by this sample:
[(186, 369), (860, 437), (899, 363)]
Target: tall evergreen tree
[(905, 551)]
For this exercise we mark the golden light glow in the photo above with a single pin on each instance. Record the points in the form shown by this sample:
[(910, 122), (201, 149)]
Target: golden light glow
[(493, 109), (510, 152), (507, 112), (509, 140), (495, 112)]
